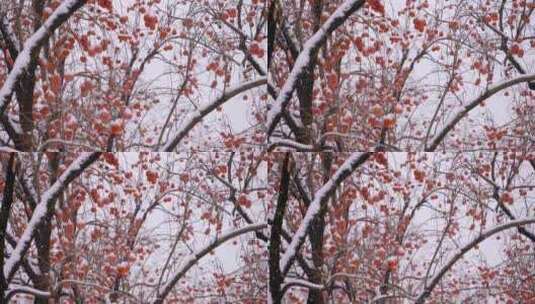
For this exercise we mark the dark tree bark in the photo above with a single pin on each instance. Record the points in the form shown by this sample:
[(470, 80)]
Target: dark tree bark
[(275, 277)]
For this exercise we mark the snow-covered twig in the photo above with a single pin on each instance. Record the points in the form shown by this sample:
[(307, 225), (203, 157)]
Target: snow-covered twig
[(33, 45), (483, 236), (42, 210), (306, 57), (195, 117), (382, 298), (494, 89), (195, 257), (291, 282), (321, 196), (12, 127)]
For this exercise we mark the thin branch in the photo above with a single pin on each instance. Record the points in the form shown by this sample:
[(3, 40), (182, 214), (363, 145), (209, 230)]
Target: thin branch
[(27, 290)]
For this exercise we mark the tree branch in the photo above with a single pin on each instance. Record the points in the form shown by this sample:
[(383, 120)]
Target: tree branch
[(306, 57), (41, 211), (5, 211), (194, 258), (322, 195), (483, 236), (487, 94), (197, 116), (27, 290), (33, 45), (275, 277)]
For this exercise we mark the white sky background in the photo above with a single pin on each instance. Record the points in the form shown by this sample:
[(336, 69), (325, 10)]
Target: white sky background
[(430, 223), (236, 112), (424, 219)]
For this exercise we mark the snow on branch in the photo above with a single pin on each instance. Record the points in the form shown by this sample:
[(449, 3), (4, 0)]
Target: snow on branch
[(321, 196), (33, 45), (305, 58), (195, 117), (195, 257), (8, 150), (289, 282), (42, 210), (492, 90), (15, 289), (483, 236), (299, 147)]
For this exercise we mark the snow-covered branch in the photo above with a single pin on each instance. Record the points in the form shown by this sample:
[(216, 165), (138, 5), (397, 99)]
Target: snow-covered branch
[(306, 57), (195, 257), (195, 117), (299, 147), (12, 127), (43, 209), (289, 282), (15, 289), (322, 195), (483, 236), (474, 103), (8, 150), (33, 45)]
